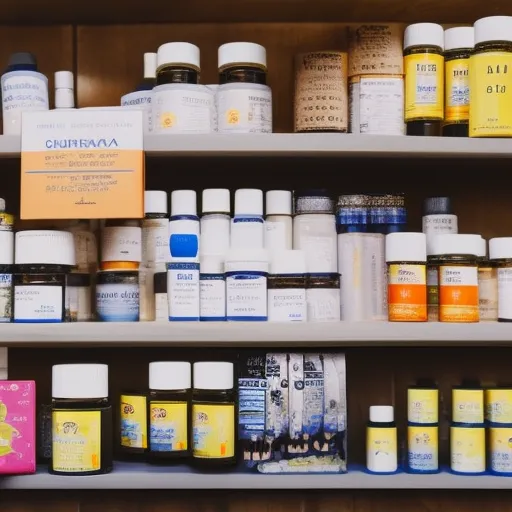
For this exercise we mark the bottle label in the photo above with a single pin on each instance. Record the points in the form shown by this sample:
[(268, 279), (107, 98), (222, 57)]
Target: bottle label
[(182, 108), (500, 450), (456, 91), (468, 405), (287, 305), (467, 447), (244, 108), (155, 242), (22, 91), (121, 243), (275, 236), (490, 76), (117, 302), (37, 304), (161, 307), (423, 405), (5, 297), (498, 407), (76, 445), (246, 296), (424, 86), (140, 100), (78, 304), (381, 449), (407, 293), (213, 428), (323, 304), (440, 224), (505, 293), (458, 294), (248, 232), (215, 229), (133, 422), (423, 449), (488, 293), (212, 297), (183, 291), (168, 426)]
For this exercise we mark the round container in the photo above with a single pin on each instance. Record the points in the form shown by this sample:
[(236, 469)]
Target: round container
[(117, 296), (423, 405), (467, 450), (500, 450), (381, 440), (468, 405), (498, 405)]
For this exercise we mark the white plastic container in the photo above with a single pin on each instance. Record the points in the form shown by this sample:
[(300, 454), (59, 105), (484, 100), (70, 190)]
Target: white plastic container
[(248, 226), (278, 221), (212, 284), (216, 221)]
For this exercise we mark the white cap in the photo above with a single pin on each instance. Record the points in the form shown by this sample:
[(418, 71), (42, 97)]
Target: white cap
[(382, 413), (216, 200), (64, 80), (493, 28), (213, 375), (183, 202), (80, 381), (211, 264), (459, 37), (288, 262), (2, 204), (278, 202), (424, 34), (456, 244), (482, 250), (170, 375), (45, 248), (248, 201), (406, 247), (500, 248), (6, 247), (242, 53), (178, 53), (155, 201), (64, 95), (149, 65)]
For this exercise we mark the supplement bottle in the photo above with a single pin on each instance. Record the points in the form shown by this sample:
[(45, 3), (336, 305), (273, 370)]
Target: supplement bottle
[(424, 78), (406, 257), (213, 415), (81, 420), (161, 301), (381, 440), (487, 286), (467, 449), (117, 296), (248, 226), (468, 403), (6, 271), (498, 408), (216, 221), (323, 297), (169, 410), (422, 449), (24, 89), (42, 261), (500, 253), (121, 245), (438, 217), (64, 90), (133, 425), (287, 287), (244, 100), (500, 451), (212, 283), (458, 45), (423, 403), (278, 220), (490, 78)]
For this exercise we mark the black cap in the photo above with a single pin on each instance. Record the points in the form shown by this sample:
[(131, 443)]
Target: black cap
[(22, 59), (424, 128), (437, 206)]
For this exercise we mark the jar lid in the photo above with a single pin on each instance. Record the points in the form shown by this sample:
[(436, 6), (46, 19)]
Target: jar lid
[(406, 247), (249, 201), (22, 59), (288, 262), (459, 37), (493, 28), (451, 244), (183, 202), (155, 201), (178, 53), (313, 201), (45, 247), (170, 375), (213, 375), (382, 414), (424, 34), (80, 381), (500, 248), (216, 200), (150, 60), (6, 247), (437, 206), (278, 202), (242, 53)]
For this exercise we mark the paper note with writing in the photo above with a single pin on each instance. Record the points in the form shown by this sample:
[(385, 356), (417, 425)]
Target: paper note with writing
[(82, 165)]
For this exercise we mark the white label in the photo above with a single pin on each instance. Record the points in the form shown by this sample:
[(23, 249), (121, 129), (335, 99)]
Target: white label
[(505, 293), (22, 91), (161, 307), (323, 305), (213, 298), (426, 87), (244, 108), (5, 297), (121, 243), (247, 233), (183, 292), (287, 305), (37, 303), (182, 108), (246, 297), (155, 242), (354, 107), (440, 224), (140, 100), (117, 302), (458, 276), (78, 304), (275, 236), (381, 108)]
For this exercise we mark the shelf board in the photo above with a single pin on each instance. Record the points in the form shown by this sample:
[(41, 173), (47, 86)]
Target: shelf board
[(143, 476), (241, 334)]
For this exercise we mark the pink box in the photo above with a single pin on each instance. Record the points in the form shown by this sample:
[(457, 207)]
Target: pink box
[(17, 427)]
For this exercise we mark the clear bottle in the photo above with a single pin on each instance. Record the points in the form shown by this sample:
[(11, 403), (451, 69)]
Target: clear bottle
[(78, 297), (169, 423), (381, 440), (248, 226), (215, 221), (117, 296), (64, 90), (81, 420), (278, 220), (6, 273), (500, 253)]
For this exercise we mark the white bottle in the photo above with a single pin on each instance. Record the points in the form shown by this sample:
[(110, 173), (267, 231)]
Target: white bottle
[(212, 289), (64, 90), (278, 220), (381, 440), (216, 221), (500, 251), (248, 226)]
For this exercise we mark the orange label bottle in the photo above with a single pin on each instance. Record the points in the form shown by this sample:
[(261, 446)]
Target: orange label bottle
[(407, 292), (458, 293)]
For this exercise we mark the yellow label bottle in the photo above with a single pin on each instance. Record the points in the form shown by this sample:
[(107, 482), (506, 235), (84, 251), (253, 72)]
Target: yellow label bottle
[(381, 440), (423, 448), (133, 424)]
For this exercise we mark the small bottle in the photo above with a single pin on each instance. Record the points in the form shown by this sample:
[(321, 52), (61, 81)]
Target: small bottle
[(6, 272), (424, 78), (161, 299), (117, 296), (64, 90), (423, 449), (133, 425), (213, 415), (381, 440), (6, 219), (24, 89), (278, 221), (216, 221), (406, 257), (458, 45), (178, 63), (42, 259), (323, 297), (212, 283), (438, 217), (287, 287), (81, 420), (169, 409), (244, 100), (467, 449), (487, 286), (490, 81), (248, 226), (121, 245), (500, 253)]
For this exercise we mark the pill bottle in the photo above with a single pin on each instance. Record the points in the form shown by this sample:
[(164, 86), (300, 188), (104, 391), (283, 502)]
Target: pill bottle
[(438, 217), (121, 245), (468, 404), (423, 449), (42, 261), (248, 226), (424, 78), (244, 100), (500, 253), (117, 296), (213, 415), (467, 450), (423, 404), (6, 273), (64, 90), (323, 297), (78, 298), (212, 293), (6, 219), (490, 78), (406, 257), (81, 420), (381, 441), (215, 221), (179, 104), (458, 45), (458, 277), (278, 220), (498, 405), (487, 286), (287, 287), (169, 410), (246, 285), (161, 300), (133, 425), (500, 450)]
